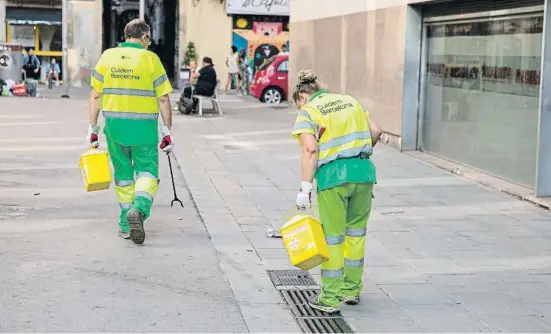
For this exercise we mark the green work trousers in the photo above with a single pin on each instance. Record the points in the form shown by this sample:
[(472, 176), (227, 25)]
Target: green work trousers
[(136, 178), (344, 211)]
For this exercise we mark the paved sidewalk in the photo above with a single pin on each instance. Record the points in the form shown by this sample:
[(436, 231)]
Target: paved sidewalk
[(443, 254), (63, 267)]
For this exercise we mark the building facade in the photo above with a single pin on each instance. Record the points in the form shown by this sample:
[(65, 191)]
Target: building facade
[(258, 27), (37, 24), (462, 79), (34, 25)]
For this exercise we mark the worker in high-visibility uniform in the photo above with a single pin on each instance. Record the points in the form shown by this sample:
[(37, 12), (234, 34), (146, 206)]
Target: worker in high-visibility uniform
[(337, 137), (130, 86)]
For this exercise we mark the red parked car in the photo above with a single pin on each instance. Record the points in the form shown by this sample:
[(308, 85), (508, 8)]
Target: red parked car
[(271, 79)]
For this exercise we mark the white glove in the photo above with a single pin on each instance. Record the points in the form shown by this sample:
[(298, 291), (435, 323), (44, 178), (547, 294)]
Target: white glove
[(304, 197), (92, 137), (167, 142)]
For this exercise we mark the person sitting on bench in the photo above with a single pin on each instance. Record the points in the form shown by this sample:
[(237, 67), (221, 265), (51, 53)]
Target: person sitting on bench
[(206, 82)]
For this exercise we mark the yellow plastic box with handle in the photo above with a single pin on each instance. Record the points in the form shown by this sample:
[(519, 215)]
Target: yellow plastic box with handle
[(304, 240), (94, 166)]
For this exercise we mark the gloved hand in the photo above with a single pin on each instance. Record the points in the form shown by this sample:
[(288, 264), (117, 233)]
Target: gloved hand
[(92, 138), (166, 143), (304, 197)]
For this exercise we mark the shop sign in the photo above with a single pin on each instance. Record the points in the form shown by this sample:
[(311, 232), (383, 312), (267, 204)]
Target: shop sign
[(525, 25), (258, 7)]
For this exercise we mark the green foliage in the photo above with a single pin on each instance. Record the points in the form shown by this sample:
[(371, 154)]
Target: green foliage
[(191, 53)]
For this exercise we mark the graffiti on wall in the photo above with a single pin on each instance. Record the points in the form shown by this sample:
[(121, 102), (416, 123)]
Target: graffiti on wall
[(261, 36)]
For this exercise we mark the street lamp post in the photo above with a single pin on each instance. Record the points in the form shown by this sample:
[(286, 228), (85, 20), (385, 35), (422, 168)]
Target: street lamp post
[(65, 36), (142, 9)]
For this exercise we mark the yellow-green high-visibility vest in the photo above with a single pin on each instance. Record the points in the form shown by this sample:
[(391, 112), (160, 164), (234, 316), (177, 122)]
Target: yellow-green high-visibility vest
[(339, 124), (130, 79)]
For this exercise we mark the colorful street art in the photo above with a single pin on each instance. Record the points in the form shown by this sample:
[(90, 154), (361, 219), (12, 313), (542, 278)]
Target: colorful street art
[(261, 36)]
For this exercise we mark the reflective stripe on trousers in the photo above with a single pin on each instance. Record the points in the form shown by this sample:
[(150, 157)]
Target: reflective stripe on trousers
[(125, 192), (124, 189), (146, 186), (344, 227)]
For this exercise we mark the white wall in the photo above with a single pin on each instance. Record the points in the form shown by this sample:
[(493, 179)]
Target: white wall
[(2, 19), (304, 10)]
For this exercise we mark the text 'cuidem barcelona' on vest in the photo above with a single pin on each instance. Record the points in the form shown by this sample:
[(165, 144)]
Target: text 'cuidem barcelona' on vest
[(123, 73), (333, 106)]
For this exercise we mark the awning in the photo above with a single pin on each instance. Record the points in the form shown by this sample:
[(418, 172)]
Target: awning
[(33, 16)]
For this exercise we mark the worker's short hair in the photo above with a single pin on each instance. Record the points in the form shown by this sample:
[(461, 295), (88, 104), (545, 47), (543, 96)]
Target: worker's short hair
[(136, 29)]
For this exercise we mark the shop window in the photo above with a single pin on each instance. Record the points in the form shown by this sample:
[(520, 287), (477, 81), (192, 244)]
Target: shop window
[(482, 89), (22, 35), (46, 40), (49, 38)]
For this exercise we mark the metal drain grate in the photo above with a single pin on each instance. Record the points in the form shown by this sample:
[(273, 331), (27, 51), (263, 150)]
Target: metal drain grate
[(323, 325), (291, 277), (297, 287), (310, 320)]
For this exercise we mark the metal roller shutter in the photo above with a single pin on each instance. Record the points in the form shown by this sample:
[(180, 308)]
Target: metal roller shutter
[(453, 7)]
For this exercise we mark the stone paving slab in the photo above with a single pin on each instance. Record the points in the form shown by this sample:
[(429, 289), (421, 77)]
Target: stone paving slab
[(443, 253), (63, 267)]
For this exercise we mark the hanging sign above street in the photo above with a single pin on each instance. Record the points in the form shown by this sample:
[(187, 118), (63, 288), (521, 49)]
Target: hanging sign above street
[(258, 7)]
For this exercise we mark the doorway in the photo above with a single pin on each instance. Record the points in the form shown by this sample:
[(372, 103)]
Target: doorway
[(161, 15)]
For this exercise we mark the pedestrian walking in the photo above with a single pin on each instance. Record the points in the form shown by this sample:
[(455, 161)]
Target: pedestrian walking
[(232, 62), (244, 68), (130, 86), (337, 136)]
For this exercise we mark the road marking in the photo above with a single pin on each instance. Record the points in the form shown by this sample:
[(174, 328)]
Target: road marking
[(243, 134), (26, 140), (18, 167), (26, 116), (289, 157), (42, 148), (28, 124), (259, 143)]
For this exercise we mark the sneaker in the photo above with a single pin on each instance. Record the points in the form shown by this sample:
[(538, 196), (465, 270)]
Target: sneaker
[(317, 305), (135, 220), (351, 300), (124, 235)]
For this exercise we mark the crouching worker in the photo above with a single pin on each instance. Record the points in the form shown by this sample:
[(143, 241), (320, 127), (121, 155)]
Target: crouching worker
[(337, 137), (130, 86)]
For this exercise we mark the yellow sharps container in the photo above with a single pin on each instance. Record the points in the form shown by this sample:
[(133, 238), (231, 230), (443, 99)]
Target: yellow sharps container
[(94, 166), (304, 240)]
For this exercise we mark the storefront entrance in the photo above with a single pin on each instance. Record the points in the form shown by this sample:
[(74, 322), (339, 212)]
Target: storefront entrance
[(481, 86)]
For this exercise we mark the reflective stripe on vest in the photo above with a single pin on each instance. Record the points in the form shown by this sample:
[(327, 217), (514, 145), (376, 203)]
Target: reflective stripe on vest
[(157, 82), (129, 83), (347, 132), (129, 115), (126, 91)]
